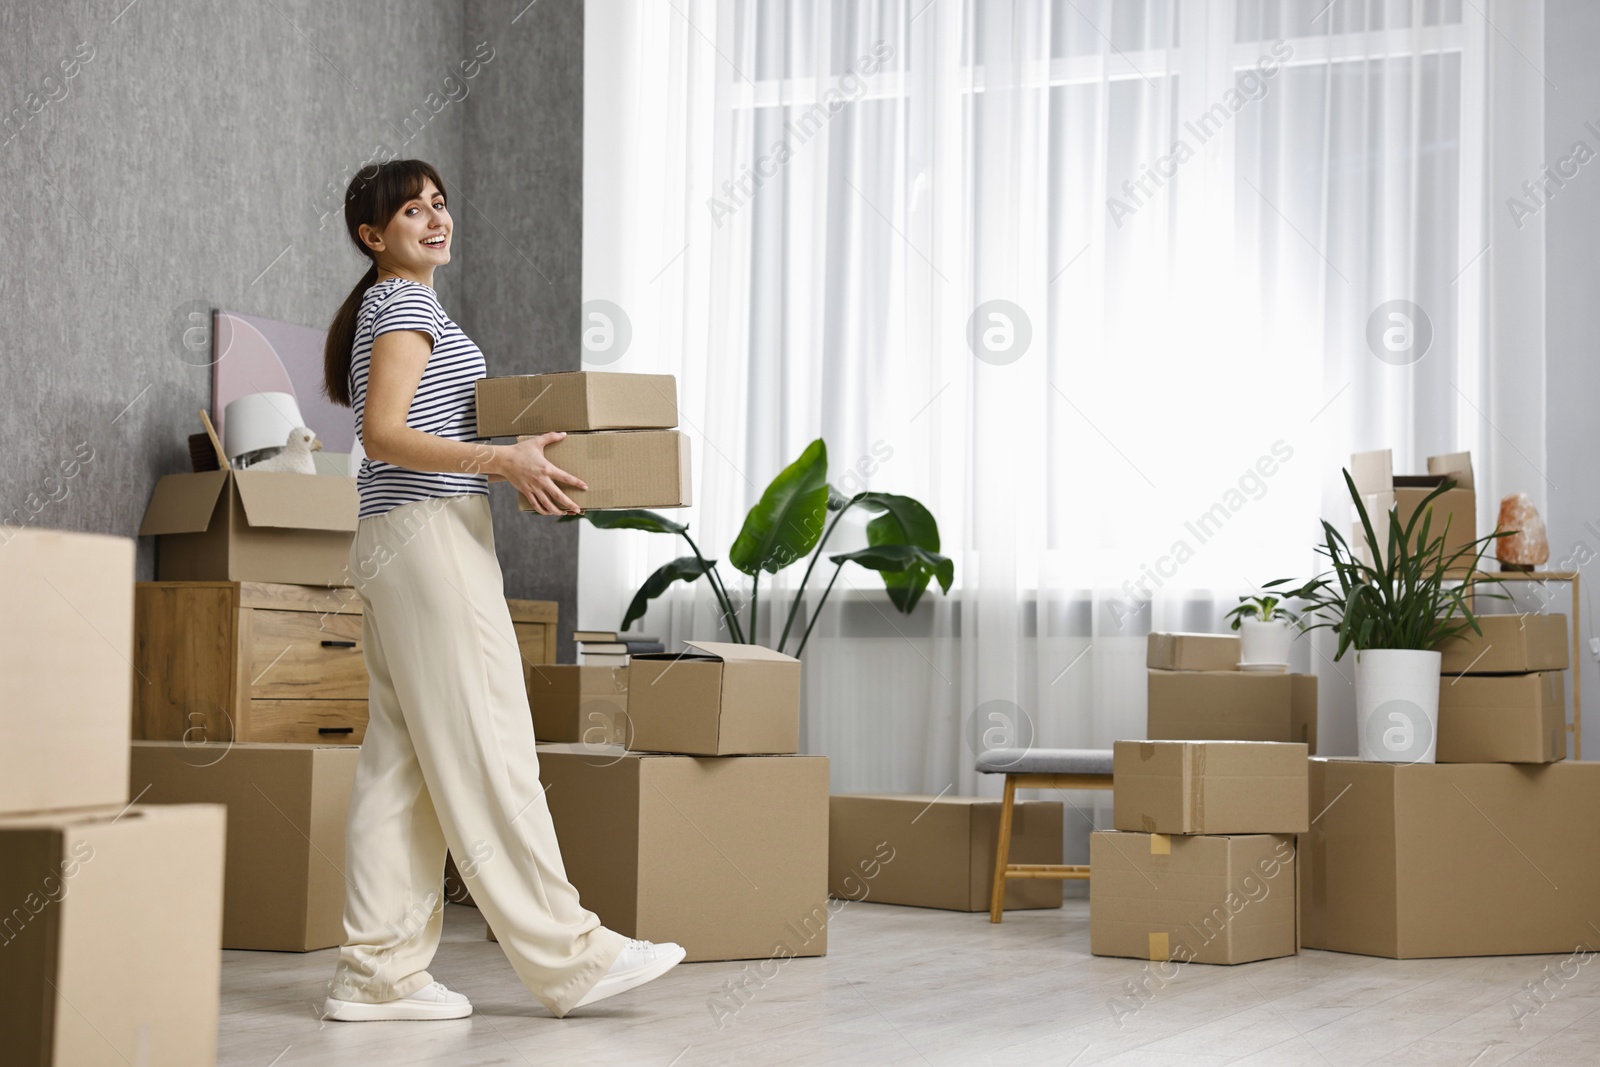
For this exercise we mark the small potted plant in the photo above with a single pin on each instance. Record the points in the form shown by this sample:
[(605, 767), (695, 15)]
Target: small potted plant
[(1266, 626), (1395, 604)]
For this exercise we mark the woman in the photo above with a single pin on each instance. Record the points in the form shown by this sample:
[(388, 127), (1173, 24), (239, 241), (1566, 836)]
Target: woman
[(448, 758)]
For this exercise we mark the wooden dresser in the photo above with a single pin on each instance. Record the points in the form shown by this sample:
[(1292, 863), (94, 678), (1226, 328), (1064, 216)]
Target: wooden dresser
[(255, 661)]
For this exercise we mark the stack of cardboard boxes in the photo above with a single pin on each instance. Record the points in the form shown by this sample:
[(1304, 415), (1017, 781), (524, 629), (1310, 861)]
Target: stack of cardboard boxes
[(110, 911), (1201, 867), (621, 439), (705, 827), (1493, 850), (1198, 693)]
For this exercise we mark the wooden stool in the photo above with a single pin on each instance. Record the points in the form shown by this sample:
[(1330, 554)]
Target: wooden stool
[(1038, 768)]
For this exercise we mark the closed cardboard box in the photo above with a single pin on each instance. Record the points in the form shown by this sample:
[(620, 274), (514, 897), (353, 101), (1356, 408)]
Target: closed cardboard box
[(623, 469), (286, 817), (727, 857), (1455, 512), (252, 526), (575, 400), (109, 945), (66, 640), (1210, 787), (573, 703), (1502, 718), (1509, 644), (1451, 859), (1232, 706), (1198, 899), (1192, 652), (719, 698), (938, 852)]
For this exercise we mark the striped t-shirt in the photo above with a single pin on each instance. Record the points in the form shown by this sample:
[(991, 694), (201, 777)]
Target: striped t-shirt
[(444, 405)]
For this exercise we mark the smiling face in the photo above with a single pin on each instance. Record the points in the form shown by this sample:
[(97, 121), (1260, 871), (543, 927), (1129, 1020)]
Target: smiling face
[(416, 240)]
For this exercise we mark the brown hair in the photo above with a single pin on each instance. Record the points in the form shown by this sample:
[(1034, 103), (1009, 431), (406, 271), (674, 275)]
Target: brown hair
[(374, 195)]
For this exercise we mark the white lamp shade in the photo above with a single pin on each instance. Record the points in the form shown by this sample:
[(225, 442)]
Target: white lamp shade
[(260, 420)]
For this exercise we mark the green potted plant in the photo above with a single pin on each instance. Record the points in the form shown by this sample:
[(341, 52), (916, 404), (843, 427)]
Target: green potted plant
[(790, 523), (1266, 626), (1394, 604)]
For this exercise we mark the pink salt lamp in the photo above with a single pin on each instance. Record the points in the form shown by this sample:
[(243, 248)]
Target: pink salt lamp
[(1527, 548)]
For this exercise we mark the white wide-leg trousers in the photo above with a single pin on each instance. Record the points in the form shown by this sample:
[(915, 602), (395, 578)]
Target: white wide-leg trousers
[(448, 760)]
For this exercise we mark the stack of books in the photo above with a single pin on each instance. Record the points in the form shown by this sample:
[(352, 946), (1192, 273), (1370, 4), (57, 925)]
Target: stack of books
[(609, 648)]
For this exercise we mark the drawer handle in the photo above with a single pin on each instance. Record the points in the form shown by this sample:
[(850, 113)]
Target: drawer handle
[(338, 644), (336, 729)]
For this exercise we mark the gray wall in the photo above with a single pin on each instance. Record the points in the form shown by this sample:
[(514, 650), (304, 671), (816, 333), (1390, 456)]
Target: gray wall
[(1572, 316), (522, 284), (185, 165)]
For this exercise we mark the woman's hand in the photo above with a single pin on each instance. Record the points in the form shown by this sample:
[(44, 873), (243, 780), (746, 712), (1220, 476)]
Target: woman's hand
[(535, 477)]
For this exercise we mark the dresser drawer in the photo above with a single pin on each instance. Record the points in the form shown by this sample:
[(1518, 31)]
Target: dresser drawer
[(299, 655), (327, 722)]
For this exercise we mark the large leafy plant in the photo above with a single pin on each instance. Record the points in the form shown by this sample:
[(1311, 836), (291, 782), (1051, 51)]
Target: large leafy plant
[(1406, 591), (789, 523)]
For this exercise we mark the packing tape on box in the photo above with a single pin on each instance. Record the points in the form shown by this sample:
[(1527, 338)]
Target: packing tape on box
[(1197, 794), (1160, 949), (1160, 845)]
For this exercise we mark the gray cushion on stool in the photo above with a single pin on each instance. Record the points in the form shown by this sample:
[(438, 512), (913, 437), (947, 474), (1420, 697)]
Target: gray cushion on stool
[(1045, 761)]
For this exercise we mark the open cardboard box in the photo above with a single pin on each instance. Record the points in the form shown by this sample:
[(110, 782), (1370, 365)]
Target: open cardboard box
[(252, 526), (575, 401), (720, 698), (1382, 489)]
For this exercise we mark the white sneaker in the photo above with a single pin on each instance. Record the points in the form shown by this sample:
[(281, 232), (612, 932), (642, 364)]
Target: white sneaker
[(638, 962), (430, 1002)]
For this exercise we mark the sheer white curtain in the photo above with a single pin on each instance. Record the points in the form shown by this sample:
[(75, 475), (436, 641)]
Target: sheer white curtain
[(1108, 285)]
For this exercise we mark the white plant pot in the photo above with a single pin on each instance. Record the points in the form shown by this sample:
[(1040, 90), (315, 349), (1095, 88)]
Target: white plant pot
[(1397, 705), (1263, 645)]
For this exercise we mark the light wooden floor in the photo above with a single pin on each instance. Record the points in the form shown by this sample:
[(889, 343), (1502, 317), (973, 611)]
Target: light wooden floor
[(912, 986)]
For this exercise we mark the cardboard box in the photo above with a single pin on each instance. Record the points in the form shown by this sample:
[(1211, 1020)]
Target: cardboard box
[(109, 944), (720, 698), (1381, 489), (1506, 718), (1451, 859), (252, 526), (1509, 644), (575, 400), (572, 702), (624, 469), (1210, 787), (938, 852), (1192, 652), (727, 857), (1232, 706), (286, 816), (66, 640), (1198, 899)]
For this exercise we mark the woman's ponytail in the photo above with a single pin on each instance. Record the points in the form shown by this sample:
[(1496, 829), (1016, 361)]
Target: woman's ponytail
[(374, 195)]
